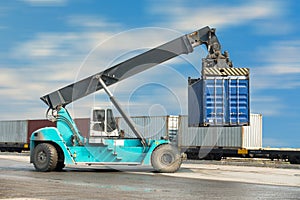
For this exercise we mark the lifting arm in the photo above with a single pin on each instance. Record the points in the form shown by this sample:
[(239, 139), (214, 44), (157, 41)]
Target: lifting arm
[(182, 45), (123, 114)]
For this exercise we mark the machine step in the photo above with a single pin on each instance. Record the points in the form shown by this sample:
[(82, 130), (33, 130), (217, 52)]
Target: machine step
[(109, 163)]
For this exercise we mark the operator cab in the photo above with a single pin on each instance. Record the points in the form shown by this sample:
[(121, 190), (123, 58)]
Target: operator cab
[(102, 124)]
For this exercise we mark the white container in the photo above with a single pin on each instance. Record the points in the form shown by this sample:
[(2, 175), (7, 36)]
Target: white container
[(13, 131), (151, 127), (249, 137), (252, 135)]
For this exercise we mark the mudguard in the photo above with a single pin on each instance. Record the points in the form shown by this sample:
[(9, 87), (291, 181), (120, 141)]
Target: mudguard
[(50, 135)]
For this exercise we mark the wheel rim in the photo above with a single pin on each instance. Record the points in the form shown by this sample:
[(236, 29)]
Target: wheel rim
[(167, 159), (42, 157)]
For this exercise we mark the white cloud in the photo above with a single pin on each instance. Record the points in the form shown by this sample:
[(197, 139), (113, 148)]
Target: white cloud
[(266, 81), (271, 27), (284, 69), (86, 43), (280, 66), (186, 17), (281, 53), (267, 105), (91, 21), (279, 70), (46, 45), (46, 2)]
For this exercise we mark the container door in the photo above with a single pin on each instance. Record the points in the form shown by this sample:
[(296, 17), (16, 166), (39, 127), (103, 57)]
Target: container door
[(238, 101), (215, 101)]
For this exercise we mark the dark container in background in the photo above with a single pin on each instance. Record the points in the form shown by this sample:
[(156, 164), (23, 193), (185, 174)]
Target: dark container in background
[(83, 125), (35, 124)]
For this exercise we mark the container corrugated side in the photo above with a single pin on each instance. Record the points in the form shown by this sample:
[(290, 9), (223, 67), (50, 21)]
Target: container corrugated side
[(252, 138), (226, 137), (13, 131), (151, 127), (230, 137)]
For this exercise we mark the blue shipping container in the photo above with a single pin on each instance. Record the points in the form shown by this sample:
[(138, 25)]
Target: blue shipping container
[(219, 101)]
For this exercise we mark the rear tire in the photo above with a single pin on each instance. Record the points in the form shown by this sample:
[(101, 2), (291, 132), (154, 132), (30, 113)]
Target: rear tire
[(45, 157), (166, 158)]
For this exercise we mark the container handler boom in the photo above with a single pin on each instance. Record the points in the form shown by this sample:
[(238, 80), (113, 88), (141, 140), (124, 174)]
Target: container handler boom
[(52, 148), (182, 45)]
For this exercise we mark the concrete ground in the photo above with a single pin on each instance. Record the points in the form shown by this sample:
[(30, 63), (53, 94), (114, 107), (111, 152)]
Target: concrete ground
[(222, 171), (195, 180), (245, 174)]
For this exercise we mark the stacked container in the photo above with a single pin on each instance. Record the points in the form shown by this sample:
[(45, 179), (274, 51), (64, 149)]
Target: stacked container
[(249, 137), (176, 129), (219, 98)]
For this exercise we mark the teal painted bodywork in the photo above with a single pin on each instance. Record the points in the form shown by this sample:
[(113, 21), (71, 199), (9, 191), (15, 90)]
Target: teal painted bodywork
[(76, 149)]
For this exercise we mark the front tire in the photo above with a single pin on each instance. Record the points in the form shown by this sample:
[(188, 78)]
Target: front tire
[(45, 157), (166, 159)]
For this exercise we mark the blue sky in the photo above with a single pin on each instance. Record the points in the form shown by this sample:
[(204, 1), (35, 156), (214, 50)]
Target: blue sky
[(46, 44)]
